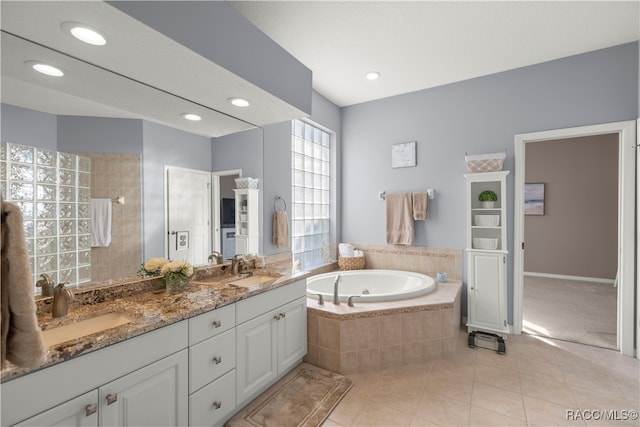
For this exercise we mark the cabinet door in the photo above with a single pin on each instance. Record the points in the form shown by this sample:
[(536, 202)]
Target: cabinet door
[(256, 349), (155, 395), (79, 412), (487, 302), (292, 333)]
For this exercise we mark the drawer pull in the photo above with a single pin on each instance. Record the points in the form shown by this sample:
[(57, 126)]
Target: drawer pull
[(112, 398), (90, 409), (283, 315), (217, 404), (217, 360), (217, 323), (278, 316)]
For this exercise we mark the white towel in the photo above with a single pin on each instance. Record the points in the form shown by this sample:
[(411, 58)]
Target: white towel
[(100, 222)]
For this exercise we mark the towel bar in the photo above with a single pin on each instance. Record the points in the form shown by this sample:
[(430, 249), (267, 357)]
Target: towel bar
[(430, 191)]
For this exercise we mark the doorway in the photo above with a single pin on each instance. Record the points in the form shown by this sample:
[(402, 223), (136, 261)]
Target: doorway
[(626, 133), (223, 211), (570, 230), (188, 207)]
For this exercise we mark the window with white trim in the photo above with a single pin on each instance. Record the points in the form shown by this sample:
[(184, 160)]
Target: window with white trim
[(310, 181)]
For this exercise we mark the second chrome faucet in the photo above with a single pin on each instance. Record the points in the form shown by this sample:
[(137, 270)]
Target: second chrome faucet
[(336, 294)]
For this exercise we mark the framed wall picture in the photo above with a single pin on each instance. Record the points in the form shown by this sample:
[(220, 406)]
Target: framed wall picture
[(534, 199), (403, 155)]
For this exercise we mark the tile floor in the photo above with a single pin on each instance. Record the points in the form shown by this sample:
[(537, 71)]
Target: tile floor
[(535, 384)]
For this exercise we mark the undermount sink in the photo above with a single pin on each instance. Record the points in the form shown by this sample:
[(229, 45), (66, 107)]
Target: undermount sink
[(251, 280), (85, 327)]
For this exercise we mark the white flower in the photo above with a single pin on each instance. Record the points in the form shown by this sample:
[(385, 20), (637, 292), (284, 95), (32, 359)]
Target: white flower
[(177, 268), (155, 264)]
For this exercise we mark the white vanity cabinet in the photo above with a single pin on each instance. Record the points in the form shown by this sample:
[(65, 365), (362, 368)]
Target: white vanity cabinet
[(79, 412), (487, 254), (247, 225), (212, 362), (145, 378), (271, 338), (152, 396)]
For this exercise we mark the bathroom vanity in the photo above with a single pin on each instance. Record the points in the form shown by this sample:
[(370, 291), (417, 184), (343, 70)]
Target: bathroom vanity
[(199, 370)]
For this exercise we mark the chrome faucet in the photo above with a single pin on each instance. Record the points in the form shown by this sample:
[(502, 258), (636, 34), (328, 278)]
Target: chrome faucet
[(336, 297), (46, 284), (61, 299), (237, 263), (217, 256)]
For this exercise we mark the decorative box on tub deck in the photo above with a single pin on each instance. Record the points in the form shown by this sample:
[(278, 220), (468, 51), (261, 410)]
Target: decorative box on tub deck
[(477, 163), (351, 262)]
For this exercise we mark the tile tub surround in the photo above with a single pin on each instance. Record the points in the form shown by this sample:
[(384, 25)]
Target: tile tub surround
[(372, 336), (420, 259)]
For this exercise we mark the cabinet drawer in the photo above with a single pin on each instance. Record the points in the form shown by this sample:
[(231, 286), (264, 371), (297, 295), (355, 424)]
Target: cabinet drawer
[(211, 358), (255, 306), (215, 401), (210, 324)]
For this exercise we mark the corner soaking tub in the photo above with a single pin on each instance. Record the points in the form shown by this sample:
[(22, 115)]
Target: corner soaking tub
[(371, 285)]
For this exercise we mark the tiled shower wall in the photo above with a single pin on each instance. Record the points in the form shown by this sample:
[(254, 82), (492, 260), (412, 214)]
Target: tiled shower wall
[(114, 175)]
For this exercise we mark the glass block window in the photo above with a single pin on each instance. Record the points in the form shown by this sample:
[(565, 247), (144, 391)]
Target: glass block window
[(53, 190), (310, 168)]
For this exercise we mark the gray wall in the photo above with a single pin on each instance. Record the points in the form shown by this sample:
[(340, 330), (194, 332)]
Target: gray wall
[(578, 233), (238, 45), (265, 153), (28, 127), (99, 134), (481, 115), (162, 146), (277, 164)]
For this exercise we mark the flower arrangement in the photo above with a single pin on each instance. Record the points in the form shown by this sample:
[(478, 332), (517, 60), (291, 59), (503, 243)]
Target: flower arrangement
[(176, 275), (152, 267), (176, 270)]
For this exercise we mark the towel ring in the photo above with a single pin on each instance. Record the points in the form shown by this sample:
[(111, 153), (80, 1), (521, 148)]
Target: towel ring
[(275, 204)]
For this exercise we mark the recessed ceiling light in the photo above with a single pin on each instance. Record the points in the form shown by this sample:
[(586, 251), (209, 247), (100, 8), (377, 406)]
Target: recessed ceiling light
[(47, 69), (373, 75), (192, 117), (239, 102), (85, 33)]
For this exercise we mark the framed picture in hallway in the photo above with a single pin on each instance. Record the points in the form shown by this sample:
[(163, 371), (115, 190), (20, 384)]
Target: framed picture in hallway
[(534, 199)]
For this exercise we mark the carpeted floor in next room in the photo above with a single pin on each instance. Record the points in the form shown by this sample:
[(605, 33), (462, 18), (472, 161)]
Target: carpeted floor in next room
[(570, 310)]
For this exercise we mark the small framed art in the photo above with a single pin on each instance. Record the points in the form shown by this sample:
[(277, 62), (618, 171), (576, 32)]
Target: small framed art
[(403, 155)]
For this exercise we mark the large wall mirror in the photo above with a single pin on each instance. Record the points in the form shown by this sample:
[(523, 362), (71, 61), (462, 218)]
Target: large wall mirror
[(125, 127)]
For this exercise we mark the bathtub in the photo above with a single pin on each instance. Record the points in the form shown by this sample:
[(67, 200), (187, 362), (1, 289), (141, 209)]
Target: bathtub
[(371, 285)]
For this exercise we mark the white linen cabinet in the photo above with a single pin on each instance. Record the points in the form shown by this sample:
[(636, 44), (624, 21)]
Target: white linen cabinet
[(247, 232), (487, 254)]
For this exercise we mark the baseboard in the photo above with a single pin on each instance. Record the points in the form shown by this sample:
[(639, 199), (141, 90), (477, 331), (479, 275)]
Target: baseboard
[(565, 277)]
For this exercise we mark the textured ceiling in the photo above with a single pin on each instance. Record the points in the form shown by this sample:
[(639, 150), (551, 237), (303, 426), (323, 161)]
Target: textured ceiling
[(422, 44)]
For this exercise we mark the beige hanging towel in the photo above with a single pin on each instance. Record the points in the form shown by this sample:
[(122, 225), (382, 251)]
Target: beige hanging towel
[(399, 218), (420, 206), (21, 342), (280, 229)]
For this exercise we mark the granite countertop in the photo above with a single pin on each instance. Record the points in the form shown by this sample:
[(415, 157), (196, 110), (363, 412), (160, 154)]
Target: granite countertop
[(150, 308)]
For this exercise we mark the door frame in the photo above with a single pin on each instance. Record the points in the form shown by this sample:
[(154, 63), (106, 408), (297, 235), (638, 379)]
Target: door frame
[(216, 244), (626, 222), (167, 168)]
